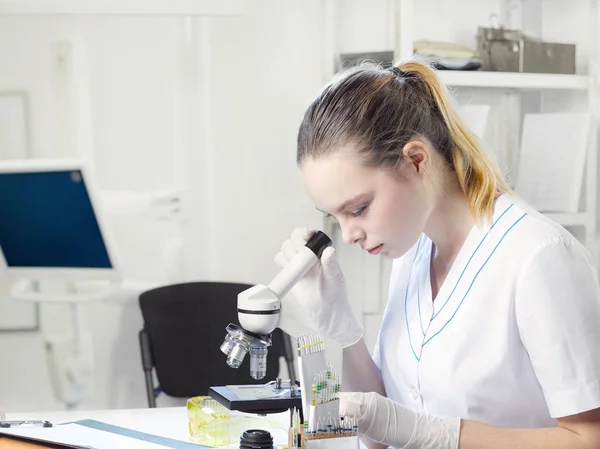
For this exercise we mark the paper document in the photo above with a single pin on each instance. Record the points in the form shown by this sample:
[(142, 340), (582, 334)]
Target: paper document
[(97, 435), (552, 160)]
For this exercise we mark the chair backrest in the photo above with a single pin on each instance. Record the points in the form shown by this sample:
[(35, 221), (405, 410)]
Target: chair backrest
[(186, 327)]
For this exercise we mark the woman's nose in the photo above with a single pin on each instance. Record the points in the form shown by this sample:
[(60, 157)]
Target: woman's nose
[(351, 234)]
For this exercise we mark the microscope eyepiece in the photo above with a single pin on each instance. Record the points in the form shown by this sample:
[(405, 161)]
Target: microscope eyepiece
[(318, 242)]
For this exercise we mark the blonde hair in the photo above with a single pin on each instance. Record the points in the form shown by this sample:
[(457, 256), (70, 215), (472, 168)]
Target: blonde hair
[(379, 110)]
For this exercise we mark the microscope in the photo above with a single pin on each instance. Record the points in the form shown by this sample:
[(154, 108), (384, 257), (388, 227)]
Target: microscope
[(262, 308)]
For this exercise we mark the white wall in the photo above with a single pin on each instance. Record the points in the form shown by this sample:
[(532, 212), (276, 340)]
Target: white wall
[(245, 194), (263, 73), (266, 71), (133, 74)]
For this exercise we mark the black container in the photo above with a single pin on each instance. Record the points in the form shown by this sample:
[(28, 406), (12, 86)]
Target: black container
[(256, 439)]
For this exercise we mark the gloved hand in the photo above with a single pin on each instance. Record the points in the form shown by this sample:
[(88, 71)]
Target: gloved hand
[(2, 415), (385, 421), (322, 292)]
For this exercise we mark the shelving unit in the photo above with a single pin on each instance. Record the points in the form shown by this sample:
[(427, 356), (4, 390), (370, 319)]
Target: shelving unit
[(512, 86), (512, 93), (517, 83), (523, 81)]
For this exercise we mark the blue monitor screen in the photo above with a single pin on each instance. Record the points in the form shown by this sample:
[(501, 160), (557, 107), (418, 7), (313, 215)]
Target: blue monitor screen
[(47, 220)]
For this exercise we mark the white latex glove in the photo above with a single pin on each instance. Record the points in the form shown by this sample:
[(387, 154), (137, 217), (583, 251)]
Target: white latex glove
[(322, 292), (2, 415), (388, 422)]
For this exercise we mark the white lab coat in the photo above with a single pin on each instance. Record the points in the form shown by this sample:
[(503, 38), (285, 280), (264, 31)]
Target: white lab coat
[(513, 336)]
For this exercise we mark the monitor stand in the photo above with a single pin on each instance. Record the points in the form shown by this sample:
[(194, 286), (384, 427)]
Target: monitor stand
[(70, 355), (73, 291)]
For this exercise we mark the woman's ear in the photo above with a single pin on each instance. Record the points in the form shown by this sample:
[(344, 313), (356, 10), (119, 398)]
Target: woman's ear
[(417, 157)]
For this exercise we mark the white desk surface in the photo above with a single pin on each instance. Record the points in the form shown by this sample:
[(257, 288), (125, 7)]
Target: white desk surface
[(169, 422)]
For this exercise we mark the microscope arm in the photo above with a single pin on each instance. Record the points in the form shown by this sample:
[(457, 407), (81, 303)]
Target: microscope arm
[(262, 308), (293, 319), (295, 270)]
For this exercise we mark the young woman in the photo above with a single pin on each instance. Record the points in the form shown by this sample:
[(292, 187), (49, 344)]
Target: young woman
[(491, 334)]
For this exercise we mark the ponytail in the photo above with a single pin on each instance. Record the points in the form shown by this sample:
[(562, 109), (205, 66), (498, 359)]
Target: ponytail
[(478, 175), (379, 111)]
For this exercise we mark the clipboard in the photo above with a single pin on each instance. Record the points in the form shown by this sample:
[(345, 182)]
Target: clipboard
[(20, 443), (87, 433), (17, 443)]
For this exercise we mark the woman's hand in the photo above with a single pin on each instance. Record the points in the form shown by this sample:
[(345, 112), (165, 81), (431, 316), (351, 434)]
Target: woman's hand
[(385, 421), (322, 291)]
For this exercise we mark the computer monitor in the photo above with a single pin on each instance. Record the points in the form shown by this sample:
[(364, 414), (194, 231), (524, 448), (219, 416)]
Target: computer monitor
[(50, 225)]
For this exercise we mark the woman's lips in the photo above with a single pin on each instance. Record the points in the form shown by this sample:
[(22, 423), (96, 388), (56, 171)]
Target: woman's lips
[(376, 250)]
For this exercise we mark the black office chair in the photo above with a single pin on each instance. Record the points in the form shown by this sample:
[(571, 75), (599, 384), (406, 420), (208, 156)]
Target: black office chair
[(184, 327)]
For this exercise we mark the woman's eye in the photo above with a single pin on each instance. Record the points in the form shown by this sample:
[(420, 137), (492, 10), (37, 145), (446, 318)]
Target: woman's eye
[(361, 211)]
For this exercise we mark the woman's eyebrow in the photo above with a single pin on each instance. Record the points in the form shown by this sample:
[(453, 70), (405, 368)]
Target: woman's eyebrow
[(352, 201), (349, 202)]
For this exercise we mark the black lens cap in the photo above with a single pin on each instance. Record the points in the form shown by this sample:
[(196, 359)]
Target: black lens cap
[(256, 439)]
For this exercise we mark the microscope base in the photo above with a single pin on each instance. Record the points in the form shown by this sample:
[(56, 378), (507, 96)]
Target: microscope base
[(256, 399)]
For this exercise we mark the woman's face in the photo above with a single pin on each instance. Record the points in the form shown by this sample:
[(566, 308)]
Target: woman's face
[(384, 214)]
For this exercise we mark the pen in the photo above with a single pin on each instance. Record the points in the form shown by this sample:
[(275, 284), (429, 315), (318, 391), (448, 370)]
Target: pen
[(6, 424)]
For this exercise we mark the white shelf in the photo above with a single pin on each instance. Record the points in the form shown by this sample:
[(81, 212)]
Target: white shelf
[(570, 219), (124, 7), (506, 80)]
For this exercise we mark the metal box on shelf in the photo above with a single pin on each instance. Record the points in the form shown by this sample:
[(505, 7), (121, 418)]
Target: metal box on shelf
[(504, 50)]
